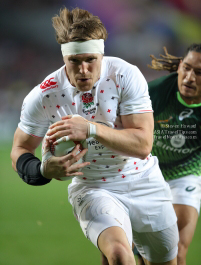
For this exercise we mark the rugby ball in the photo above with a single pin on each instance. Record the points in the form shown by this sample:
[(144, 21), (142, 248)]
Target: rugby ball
[(64, 148)]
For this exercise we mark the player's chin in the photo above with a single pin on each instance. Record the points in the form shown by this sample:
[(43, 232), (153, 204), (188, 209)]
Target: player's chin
[(188, 94), (85, 86)]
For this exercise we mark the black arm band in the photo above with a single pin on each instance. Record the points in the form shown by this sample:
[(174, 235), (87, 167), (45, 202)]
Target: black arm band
[(28, 168)]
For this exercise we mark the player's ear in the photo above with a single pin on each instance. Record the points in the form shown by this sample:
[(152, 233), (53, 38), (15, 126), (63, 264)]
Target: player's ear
[(179, 67)]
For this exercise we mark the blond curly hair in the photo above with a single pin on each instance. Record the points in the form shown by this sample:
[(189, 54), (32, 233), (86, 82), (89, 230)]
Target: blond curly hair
[(77, 25)]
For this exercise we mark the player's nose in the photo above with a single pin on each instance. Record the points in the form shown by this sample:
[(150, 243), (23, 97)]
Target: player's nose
[(83, 68), (191, 75)]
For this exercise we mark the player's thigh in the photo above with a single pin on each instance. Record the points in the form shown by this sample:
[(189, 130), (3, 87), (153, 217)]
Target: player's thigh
[(158, 247), (187, 220), (101, 212)]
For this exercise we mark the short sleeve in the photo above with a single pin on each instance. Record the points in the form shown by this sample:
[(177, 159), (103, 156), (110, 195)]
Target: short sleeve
[(33, 120), (135, 96)]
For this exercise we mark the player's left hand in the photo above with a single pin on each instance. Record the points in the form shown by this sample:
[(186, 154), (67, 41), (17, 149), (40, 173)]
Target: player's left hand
[(73, 127), (64, 166)]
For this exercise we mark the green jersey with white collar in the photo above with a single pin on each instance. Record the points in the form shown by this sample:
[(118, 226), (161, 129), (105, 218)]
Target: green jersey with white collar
[(177, 129)]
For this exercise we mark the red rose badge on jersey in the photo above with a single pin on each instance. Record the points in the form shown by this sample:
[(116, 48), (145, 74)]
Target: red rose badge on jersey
[(87, 100)]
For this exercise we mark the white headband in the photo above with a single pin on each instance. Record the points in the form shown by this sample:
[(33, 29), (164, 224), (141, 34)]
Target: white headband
[(79, 47)]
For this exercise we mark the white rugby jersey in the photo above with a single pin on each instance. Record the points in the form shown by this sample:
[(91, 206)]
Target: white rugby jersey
[(121, 90)]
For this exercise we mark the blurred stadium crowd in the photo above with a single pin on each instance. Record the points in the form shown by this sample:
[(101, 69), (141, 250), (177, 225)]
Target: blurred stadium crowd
[(29, 51)]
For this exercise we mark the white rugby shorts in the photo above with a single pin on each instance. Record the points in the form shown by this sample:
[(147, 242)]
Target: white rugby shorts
[(141, 203), (187, 191)]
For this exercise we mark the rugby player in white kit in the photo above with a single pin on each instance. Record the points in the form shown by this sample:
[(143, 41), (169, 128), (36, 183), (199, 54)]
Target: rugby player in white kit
[(119, 196)]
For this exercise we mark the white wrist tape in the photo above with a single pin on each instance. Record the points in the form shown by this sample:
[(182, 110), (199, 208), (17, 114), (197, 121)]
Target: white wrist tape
[(91, 130)]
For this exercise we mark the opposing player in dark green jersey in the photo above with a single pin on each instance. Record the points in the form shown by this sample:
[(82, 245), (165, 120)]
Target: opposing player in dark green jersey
[(176, 100)]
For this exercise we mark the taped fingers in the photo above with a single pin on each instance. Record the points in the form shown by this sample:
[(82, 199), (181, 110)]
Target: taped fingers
[(62, 139)]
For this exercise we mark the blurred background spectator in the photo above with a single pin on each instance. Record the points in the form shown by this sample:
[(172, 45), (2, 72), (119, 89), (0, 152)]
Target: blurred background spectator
[(29, 51)]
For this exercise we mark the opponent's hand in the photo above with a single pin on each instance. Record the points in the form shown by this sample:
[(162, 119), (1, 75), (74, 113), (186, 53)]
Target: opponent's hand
[(73, 127), (58, 167)]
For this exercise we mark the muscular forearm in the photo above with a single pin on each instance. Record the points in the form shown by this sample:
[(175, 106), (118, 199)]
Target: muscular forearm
[(129, 142), (134, 140)]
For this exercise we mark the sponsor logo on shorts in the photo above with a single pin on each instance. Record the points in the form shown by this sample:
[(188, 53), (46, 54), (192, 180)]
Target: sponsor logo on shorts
[(190, 188), (48, 84), (80, 200)]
